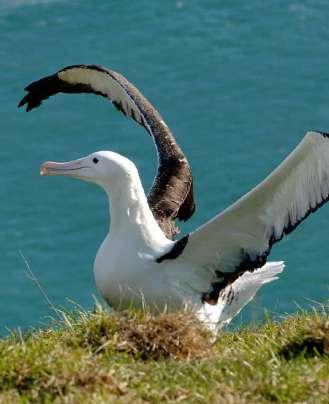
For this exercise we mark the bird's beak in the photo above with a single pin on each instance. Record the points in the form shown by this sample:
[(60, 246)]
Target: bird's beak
[(70, 168)]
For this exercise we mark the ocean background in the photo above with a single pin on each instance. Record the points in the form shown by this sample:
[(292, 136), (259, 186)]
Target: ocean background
[(239, 83)]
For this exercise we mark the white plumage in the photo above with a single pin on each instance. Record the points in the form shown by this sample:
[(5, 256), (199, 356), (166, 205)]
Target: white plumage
[(274, 208), (126, 267), (218, 268)]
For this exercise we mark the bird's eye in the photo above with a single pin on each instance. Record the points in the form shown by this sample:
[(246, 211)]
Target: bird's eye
[(95, 160)]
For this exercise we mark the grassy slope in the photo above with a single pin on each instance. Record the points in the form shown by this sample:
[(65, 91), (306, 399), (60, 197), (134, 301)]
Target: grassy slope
[(133, 357)]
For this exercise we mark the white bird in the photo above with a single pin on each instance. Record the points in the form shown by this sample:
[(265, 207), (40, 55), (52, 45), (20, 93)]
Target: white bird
[(215, 270)]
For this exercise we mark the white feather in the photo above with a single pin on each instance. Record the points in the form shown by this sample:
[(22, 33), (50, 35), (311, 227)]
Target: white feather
[(126, 267), (284, 198)]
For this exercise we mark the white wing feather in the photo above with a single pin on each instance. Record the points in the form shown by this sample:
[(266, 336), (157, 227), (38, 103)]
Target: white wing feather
[(241, 237)]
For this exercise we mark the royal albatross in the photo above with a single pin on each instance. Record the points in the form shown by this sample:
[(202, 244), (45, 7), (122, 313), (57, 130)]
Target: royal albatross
[(215, 270)]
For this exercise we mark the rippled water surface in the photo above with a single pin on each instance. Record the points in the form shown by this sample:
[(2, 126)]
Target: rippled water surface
[(239, 83)]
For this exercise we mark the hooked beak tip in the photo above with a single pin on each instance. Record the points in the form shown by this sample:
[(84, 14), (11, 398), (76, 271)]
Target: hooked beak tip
[(48, 167), (43, 171)]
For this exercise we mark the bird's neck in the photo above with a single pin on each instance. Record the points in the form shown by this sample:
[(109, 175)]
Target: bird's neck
[(130, 215)]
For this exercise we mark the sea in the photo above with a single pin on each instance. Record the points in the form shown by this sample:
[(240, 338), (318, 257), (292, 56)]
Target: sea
[(239, 83)]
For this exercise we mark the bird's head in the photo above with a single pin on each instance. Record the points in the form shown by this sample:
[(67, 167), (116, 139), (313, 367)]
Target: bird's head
[(104, 168)]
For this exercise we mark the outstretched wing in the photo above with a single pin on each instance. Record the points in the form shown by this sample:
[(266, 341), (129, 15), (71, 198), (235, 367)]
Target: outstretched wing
[(241, 237), (171, 195)]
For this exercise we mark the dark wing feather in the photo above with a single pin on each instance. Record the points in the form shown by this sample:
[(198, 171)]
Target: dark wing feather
[(171, 195)]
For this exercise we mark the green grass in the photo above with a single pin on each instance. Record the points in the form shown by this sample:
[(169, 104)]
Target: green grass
[(133, 357)]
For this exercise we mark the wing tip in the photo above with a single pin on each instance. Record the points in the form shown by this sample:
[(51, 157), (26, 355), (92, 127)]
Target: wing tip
[(30, 101), (22, 102)]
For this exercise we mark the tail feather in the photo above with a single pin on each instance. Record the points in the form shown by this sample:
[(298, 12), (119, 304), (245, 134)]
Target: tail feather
[(235, 296)]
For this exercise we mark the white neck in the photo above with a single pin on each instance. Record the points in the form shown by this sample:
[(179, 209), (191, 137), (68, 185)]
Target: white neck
[(130, 214)]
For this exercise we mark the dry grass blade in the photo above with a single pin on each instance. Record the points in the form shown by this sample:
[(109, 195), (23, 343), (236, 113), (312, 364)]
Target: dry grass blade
[(178, 336)]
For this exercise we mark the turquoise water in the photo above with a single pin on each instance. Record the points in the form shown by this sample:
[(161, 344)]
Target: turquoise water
[(239, 83)]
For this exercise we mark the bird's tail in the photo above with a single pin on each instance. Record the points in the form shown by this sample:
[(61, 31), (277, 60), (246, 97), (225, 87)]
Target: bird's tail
[(235, 296)]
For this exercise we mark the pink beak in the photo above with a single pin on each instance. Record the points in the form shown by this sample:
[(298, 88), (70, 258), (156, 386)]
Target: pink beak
[(70, 168)]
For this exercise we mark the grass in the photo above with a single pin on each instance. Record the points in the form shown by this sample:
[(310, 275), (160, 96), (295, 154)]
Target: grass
[(135, 357)]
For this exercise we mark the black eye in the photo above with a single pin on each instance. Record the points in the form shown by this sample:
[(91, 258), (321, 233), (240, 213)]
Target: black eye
[(95, 160)]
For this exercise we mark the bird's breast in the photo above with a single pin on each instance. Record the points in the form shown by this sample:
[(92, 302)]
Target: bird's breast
[(122, 269), (128, 274)]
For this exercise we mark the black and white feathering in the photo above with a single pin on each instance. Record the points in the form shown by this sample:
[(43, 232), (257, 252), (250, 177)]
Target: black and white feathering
[(219, 267), (171, 196)]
